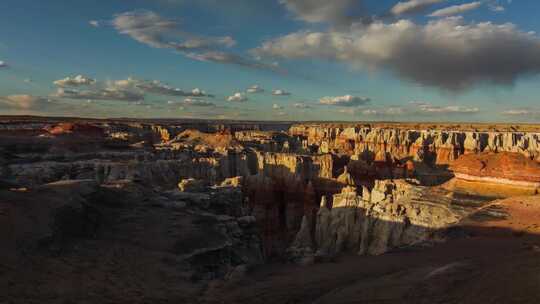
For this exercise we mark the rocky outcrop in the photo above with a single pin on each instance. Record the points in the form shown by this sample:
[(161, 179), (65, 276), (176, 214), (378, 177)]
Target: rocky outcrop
[(268, 141), (496, 174), (505, 167), (393, 214), (192, 185), (162, 169), (194, 138)]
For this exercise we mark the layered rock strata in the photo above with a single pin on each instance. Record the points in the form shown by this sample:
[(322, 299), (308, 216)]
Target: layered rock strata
[(505, 168), (498, 174), (393, 214), (434, 146)]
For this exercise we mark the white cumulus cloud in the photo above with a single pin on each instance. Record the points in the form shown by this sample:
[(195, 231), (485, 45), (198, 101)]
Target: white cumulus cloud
[(445, 53), (78, 80), (237, 97)]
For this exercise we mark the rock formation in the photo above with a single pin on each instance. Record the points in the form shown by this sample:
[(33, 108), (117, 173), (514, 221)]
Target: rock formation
[(282, 170), (435, 146), (392, 215), (499, 174), (504, 167), (191, 203)]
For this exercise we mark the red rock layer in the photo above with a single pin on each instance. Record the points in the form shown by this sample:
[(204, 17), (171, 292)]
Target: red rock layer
[(76, 129), (506, 165)]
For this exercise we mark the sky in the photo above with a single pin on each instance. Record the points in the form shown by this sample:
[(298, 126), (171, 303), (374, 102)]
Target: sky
[(340, 60)]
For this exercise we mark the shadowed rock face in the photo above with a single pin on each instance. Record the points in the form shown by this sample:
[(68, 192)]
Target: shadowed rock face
[(215, 199), (160, 244)]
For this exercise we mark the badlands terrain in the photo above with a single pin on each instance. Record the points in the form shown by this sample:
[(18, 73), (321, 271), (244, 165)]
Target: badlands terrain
[(165, 211)]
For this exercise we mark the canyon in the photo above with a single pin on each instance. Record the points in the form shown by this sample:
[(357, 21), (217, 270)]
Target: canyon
[(195, 211)]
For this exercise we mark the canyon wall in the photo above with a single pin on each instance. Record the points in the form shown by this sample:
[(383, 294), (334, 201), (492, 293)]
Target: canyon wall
[(362, 174), (393, 214), (434, 146)]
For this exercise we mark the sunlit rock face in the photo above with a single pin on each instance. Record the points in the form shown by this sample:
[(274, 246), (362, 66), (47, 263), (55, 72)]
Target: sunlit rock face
[(509, 172), (513, 167), (393, 214), (436, 146)]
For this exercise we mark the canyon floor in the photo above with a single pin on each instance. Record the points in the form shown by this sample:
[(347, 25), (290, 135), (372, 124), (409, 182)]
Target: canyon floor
[(491, 261), (206, 212)]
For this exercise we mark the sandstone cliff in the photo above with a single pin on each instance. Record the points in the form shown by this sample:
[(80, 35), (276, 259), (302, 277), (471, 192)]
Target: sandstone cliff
[(431, 145), (393, 214)]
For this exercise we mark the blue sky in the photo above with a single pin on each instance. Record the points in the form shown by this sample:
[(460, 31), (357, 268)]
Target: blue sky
[(428, 60)]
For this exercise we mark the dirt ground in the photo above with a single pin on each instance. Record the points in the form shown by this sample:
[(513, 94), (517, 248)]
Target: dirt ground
[(498, 262)]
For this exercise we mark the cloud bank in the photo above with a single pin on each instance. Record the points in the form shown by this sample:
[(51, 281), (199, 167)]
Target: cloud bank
[(522, 113), (448, 54), (23, 102), (345, 101), (99, 94), (428, 108)]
